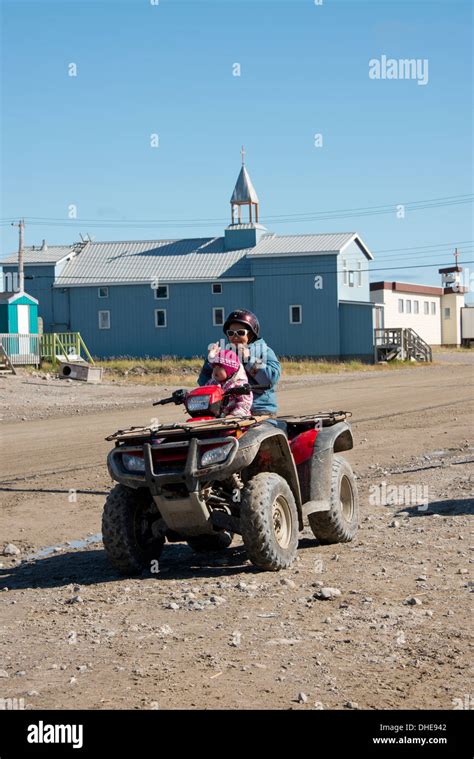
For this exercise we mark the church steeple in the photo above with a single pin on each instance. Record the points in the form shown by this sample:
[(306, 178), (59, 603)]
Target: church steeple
[(244, 195)]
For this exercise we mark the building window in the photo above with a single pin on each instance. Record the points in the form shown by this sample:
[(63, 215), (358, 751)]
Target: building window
[(400, 305), (218, 317), (160, 317), (216, 288), (296, 315), (103, 292), (162, 293), (359, 274), (408, 304), (344, 271), (104, 319), (447, 313), (416, 307), (351, 279), (433, 308), (427, 307)]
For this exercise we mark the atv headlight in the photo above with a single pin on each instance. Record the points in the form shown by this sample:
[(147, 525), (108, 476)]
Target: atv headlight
[(216, 455), (198, 403), (133, 463)]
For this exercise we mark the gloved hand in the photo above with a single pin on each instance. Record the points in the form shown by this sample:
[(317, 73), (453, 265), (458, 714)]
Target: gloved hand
[(212, 352)]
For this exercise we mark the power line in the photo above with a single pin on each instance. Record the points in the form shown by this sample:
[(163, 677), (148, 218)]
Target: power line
[(307, 216)]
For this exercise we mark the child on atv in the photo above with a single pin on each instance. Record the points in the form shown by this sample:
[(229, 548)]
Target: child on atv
[(227, 371)]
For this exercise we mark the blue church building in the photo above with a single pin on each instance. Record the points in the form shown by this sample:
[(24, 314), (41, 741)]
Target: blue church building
[(169, 297)]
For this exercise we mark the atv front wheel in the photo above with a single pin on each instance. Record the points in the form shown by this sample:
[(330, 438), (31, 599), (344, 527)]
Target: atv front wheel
[(128, 536), (269, 522), (339, 524), (205, 543)]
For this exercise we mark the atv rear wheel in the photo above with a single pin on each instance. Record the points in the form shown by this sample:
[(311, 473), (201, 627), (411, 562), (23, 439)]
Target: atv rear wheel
[(339, 524), (205, 543), (269, 522), (127, 529)]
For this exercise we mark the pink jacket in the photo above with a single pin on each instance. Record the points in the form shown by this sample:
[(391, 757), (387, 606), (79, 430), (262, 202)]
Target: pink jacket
[(236, 405)]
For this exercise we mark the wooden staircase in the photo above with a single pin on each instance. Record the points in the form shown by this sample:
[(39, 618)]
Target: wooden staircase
[(401, 343), (6, 366)]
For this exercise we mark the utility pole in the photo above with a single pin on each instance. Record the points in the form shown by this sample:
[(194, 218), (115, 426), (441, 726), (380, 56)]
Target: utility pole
[(21, 275)]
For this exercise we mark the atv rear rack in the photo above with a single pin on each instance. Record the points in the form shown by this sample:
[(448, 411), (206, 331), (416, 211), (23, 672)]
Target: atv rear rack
[(324, 418)]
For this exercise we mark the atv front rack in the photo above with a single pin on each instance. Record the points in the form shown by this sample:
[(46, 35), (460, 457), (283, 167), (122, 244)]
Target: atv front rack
[(177, 428)]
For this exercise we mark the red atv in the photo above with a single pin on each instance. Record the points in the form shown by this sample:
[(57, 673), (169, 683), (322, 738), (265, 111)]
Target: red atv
[(212, 476)]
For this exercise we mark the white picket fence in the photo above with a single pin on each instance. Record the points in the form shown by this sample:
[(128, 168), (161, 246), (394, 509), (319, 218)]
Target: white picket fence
[(22, 350)]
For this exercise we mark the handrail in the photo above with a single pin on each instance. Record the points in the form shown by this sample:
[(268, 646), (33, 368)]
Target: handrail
[(63, 344), (411, 345)]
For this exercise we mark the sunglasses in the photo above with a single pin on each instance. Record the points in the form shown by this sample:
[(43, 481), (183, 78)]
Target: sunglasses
[(237, 332)]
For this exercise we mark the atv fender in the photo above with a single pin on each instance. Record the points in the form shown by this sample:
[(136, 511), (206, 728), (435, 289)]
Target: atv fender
[(270, 452), (330, 440)]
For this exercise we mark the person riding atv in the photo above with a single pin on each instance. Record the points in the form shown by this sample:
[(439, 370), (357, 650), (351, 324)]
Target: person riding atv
[(210, 477), (242, 329)]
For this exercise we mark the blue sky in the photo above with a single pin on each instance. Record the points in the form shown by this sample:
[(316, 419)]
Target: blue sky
[(167, 69)]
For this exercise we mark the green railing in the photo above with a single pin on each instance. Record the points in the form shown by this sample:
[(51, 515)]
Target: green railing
[(60, 345)]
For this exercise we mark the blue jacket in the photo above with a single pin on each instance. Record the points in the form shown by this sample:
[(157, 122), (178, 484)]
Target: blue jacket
[(263, 368)]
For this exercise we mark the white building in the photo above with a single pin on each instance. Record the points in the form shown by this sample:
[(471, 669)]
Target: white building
[(433, 312)]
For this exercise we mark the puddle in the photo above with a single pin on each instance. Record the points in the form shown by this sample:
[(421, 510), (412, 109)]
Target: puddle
[(76, 544)]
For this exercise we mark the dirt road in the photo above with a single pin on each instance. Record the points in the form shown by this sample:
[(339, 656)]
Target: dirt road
[(74, 634)]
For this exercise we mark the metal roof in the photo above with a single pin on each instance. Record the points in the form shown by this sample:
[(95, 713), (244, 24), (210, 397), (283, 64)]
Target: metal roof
[(35, 255), (148, 260), (244, 191), (272, 245), (188, 259)]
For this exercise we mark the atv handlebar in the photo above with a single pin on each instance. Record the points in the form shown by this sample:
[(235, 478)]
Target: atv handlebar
[(179, 396)]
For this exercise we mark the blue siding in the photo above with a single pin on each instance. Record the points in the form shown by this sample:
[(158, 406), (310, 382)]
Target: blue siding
[(329, 328), (132, 330), (356, 329), (238, 239), (282, 282), (3, 318)]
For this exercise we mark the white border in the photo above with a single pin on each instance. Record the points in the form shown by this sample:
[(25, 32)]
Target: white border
[(103, 311), (161, 326), (296, 305)]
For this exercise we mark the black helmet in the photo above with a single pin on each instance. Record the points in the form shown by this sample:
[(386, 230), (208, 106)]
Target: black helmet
[(244, 317)]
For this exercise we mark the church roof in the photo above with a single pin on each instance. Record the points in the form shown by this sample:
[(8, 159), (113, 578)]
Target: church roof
[(244, 191)]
